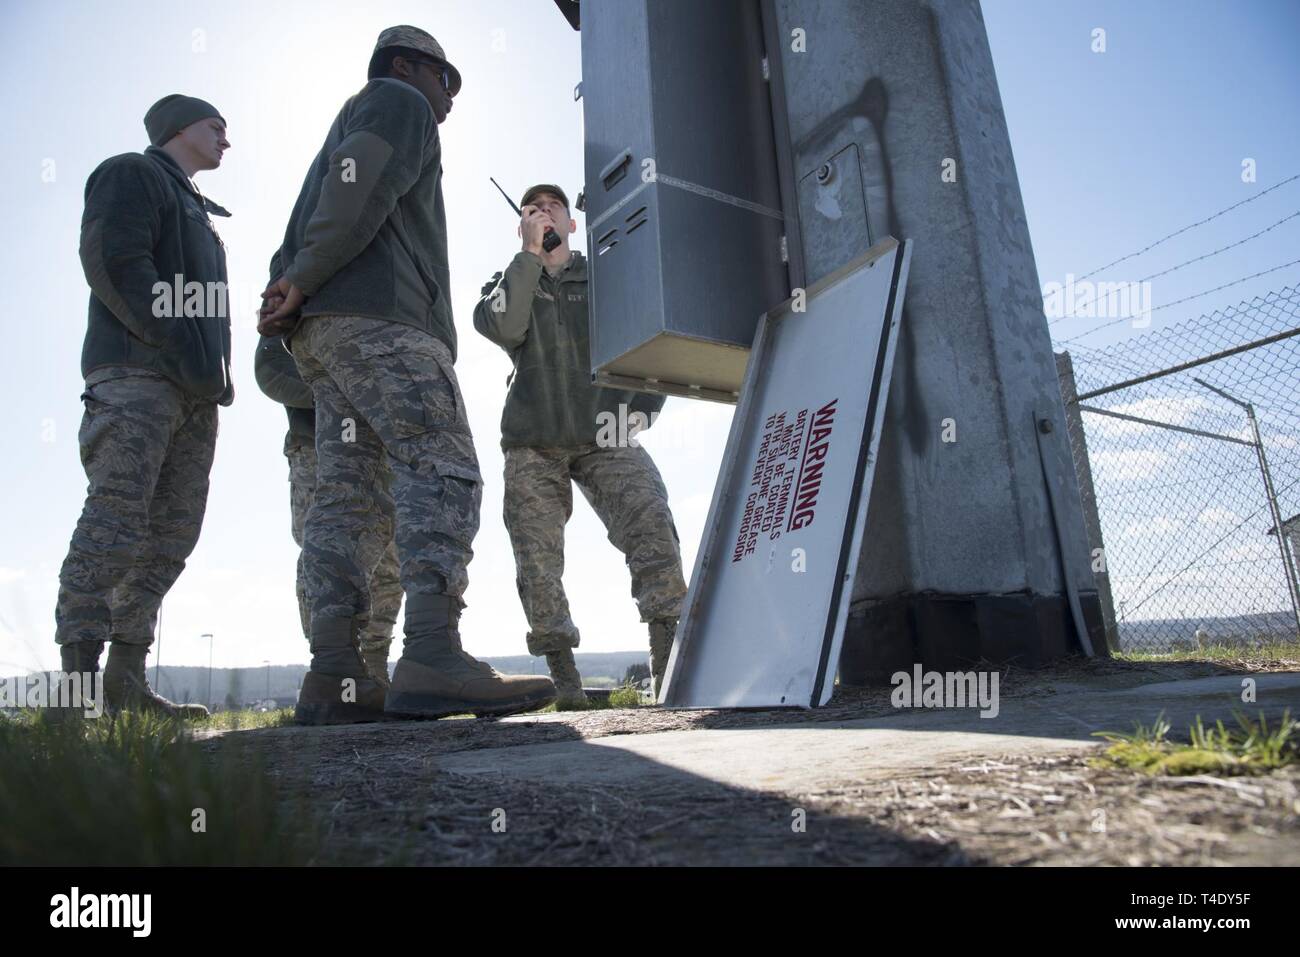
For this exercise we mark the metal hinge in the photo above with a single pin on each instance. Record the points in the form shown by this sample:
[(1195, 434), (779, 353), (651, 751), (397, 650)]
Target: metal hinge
[(785, 250), (767, 70)]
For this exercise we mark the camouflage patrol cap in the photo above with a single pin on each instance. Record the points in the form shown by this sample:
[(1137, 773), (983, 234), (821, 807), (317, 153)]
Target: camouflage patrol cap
[(413, 38), (534, 191)]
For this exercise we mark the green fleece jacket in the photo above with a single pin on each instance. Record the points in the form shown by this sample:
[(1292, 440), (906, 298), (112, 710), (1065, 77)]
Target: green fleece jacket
[(368, 234), (157, 274), (541, 322)]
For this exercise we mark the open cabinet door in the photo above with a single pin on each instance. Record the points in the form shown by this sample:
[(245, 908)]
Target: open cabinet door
[(769, 598)]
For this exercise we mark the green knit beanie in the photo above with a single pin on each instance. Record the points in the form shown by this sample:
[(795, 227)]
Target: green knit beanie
[(173, 113)]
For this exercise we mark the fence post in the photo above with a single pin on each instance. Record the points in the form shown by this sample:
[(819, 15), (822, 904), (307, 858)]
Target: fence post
[(1087, 493), (1277, 518), (1262, 459)]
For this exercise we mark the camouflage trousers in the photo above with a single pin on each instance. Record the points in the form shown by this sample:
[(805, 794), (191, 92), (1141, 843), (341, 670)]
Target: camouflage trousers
[(376, 550), (627, 493), (386, 396), (147, 449)]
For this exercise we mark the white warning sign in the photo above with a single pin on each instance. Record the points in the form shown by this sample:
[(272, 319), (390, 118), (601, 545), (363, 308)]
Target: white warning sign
[(786, 477), (769, 597)]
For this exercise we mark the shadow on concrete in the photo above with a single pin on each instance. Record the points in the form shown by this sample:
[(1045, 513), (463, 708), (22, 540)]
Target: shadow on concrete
[(724, 788), (496, 792)]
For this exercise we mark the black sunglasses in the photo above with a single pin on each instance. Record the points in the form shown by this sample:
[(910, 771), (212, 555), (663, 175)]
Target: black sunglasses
[(444, 73)]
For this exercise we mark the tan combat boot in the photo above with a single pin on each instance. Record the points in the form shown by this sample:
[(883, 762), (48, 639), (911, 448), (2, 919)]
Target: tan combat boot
[(375, 655), (338, 699), (662, 633), (435, 677), (569, 695), (127, 689), (338, 689), (79, 658)]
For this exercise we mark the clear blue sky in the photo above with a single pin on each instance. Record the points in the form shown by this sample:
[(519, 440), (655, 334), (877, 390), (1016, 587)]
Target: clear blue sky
[(1117, 149), (1113, 150)]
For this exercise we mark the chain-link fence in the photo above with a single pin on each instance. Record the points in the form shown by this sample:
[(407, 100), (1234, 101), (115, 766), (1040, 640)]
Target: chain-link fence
[(1187, 443)]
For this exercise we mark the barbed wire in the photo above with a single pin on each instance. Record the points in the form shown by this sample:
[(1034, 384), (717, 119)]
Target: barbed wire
[(1262, 316), (1179, 302), (1189, 262), (1179, 232)]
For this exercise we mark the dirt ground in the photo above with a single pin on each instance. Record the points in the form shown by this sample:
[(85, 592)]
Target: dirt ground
[(384, 799)]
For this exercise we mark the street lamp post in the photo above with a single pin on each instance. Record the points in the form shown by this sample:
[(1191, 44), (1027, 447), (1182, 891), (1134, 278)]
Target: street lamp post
[(157, 661), (268, 679), (208, 635)]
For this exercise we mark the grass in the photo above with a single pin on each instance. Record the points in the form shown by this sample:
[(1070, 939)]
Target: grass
[(135, 790), (245, 719), (625, 696), (628, 696), (1251, 748), (1267, 652)]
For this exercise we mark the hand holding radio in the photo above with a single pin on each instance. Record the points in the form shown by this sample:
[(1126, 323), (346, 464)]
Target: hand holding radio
[(536, 227), (549, 238)]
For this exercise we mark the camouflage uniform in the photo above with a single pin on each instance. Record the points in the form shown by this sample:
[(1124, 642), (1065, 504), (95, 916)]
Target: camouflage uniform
[(386, 392), (147, 448), (154, 379), (385, 586), (549, 426), (625, 490)]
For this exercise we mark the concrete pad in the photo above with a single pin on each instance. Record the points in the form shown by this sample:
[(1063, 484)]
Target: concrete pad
[(810, 757), (1226, 685)]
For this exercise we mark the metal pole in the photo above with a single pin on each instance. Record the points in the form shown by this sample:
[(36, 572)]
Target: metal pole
[(1277, 519), (1078, 445), (208, 635), (1292, 585), (1163, 425), (157, 661), (1128, 383)]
